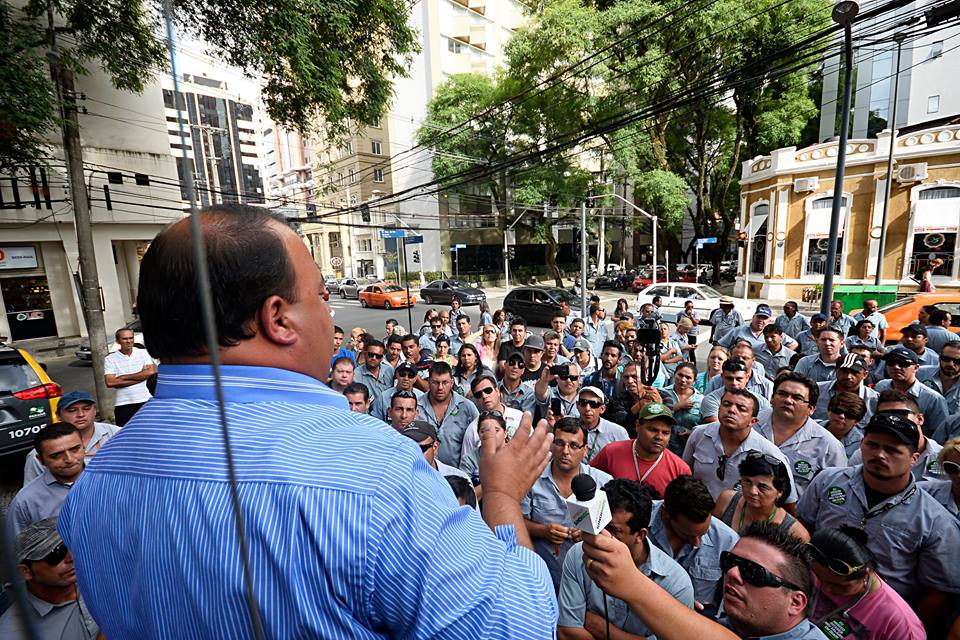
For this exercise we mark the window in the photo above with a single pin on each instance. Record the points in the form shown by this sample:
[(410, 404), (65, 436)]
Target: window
[(340, 179), (687, 293), (376, 123), (758, 241), (658, 291), (353, 176), (454, 46), (936, 50), (929, 246), (940, 193), (375, 147), (818, 236), (378, 175), (366, 245), (936, 222), (933, 104)]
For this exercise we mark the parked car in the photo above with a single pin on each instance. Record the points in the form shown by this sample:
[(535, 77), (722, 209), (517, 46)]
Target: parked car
[(28, 399), (350, 287), (904, 311), (83, 351), (386, 296), (674, 294), (645, 277), (443, 291), (537, 305)]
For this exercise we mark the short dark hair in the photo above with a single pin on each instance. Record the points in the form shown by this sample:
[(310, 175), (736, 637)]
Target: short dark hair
[(689, 497), (742, 393), (850, 404), (167, 293), (796, 553), (685, 365), (441, 338), (953, 344), (53, 432), (929, 308), (862, 323), (517, 321), (558, 314), (893, 395), (739, 344), (116, 334), (402, 395), (440, 369), (373, 343), (338, 329), (357, 387), (463, 490), (629, 496), (772, 328), (754, 465), (408, 338), (394, 339), (341, 359), (571, 424), (594, 308), (813, 391), (392, 321), (612, 343), (833, 329), (485, 376)]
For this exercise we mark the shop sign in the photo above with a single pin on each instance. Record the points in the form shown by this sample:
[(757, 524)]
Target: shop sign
[(18, 258)]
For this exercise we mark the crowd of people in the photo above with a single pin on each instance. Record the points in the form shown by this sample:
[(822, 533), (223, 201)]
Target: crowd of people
[(803, 483)]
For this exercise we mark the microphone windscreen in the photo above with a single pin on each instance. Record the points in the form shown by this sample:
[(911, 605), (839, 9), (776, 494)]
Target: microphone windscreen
[(584, 487)]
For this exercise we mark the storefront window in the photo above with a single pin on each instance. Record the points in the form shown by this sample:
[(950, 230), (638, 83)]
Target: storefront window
[(28, 307), (758, 249), (817, 236)]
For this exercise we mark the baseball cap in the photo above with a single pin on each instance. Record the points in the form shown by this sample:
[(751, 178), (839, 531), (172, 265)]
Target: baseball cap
[(405, 366), (533, 342), (656, 411), (764, 310), (420, 430), (818, 317), (73, 398), (852, 361), (896, 425), (581, 345), (592, 391), (724, 300), (915, 327), (901, 352), (515, 357), (37, 541)]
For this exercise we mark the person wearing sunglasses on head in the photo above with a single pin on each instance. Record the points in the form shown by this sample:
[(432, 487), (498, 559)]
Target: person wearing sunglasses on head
[(55, 607), (915, 540), (558, 391), (485, 393), (591, 405), (375, 374), (735, 374), (901, 368), (425, 435), (944, 376), (788, 424), (544, 508), (850, 599), (947, 491)]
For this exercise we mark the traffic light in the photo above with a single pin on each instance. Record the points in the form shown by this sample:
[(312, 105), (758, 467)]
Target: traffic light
[(742, 239), (365, 212), (511, 252), (416, 256)]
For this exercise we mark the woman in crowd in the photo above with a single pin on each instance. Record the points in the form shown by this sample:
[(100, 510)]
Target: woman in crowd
[(715, 359), (500, 322), (684, 400), (488, 345), (342, 373), (764, 488), (670, 353), (850, 600), (844, 412), (947, 492), (485, 315), (622, 311), (442, 353), (467, 367), (861, 336), (429, 314)]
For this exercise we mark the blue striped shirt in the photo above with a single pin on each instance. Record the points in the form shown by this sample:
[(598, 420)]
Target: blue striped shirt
[(351, 533)]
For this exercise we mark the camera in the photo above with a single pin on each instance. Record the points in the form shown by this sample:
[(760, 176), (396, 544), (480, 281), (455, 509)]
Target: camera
[(562, 369)]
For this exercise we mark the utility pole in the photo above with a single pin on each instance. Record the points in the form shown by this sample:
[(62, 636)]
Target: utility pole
[(583, 260), (898, 38), (73, 158)]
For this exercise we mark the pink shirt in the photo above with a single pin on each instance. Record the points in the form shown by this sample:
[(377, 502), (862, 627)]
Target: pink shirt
[(617, 459), (883, 614)]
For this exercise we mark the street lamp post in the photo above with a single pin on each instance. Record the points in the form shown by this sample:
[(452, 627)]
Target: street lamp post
[(844, 13), (655, 223), (899, 38)]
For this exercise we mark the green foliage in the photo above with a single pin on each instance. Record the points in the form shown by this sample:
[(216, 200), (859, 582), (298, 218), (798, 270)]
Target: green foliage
[(664, 194)]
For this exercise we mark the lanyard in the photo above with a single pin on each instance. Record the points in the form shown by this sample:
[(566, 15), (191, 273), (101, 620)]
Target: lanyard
[(636, 467), (593, 448), (839, 624), (869, 515)]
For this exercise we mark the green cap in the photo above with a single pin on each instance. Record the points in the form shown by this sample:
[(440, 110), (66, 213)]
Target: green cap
[(657, 410)]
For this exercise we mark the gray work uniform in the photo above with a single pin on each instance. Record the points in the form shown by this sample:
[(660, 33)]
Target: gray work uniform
[(794, 326), (938, 336), (844, 323), (428, 344), (915, 540), (375, 384), (102, 431), (595, 335), (702, 563), (810, 450), (744, 333), (807, 343), (925, 468), (929, 375), (522, 397), (69, 620), (603, 434), (773, 362), (878, 319), (710, 405), (724, 323), (942, 492), (816, 369), (544, 505), (381, 404), (41, 498), (827, 391), (851, 441), (932, 405), (451, 426), (579, 594), (704, 449)]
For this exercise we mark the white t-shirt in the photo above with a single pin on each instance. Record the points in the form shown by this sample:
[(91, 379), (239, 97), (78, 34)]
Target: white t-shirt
[(118, 364)]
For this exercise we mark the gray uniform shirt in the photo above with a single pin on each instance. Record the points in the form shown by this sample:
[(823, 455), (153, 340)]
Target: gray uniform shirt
[(794, 326), (851, 441), (810, 450), (544, 505), (41, 498), (932, 404), (773, 362), (381, 404), (450, 426), (942, 492), (67, 621), (102, 431), (827, 391), (744, 333), (578, 593), (375, 384), (816, 369), (938, 336), (702, 563), (915, 540), (724, 323), (929, 375), (807, 343), (704, 450)]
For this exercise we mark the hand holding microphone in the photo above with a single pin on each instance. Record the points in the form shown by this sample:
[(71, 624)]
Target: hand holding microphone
[(588, 507)]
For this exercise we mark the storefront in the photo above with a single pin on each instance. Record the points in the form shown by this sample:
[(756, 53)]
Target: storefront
[(26, 293)]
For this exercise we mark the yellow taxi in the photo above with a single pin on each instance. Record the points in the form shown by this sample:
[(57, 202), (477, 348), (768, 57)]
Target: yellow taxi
[(28, 399)]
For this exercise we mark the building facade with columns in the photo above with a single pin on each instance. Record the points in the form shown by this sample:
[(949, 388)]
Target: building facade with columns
[(786, 202)]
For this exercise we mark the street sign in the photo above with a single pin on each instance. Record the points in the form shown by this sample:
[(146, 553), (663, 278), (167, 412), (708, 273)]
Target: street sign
[(703, 241), (461, 246), (392, 233), (453, 249), (413, 240), (336, 262)]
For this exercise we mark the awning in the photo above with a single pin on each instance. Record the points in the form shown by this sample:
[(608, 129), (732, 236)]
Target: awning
[(756, 222), (818, 223), (936, 215)]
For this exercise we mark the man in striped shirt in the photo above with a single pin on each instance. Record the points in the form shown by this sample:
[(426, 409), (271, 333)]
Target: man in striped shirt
[(349, 532)]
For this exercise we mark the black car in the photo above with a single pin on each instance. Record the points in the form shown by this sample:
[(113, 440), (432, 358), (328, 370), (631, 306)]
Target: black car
[(28, 399), (537, 305), (443, 291)]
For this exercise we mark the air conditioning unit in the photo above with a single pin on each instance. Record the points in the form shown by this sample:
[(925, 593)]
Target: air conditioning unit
[(803, 185), (912, 172)]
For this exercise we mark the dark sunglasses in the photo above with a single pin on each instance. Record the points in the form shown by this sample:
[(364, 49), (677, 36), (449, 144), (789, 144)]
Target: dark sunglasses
[(835, 565), (426, 447), (949, 360), (56, 556), (374, 355), (593, 404), (571, 378), (771, 460), (950, 468), (515, 363), (901, 364), (843, 413), (485, 391), (406, 373), (752, 573), (722, 467), (489, 414)]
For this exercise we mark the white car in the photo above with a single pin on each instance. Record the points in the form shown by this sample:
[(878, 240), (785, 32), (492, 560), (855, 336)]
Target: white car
[(674, 294)]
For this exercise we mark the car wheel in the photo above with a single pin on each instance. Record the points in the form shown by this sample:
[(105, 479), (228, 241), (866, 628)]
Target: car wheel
[(386, 304), (363, 303), (343, 294)]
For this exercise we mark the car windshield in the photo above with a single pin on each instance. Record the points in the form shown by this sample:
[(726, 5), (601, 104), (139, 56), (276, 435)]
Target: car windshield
[(457, 284), (710, 292), (563, 294), (392, 287)]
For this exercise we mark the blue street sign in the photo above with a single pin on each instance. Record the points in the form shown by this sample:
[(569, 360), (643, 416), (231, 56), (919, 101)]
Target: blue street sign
[(461, 246), (392, 233), (703, 241), (453, 249), (413, 240)]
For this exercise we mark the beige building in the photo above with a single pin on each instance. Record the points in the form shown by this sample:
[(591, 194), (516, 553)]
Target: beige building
[(786, 201)]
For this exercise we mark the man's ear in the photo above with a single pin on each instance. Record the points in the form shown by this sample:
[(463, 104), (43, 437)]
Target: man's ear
[(274, 321)]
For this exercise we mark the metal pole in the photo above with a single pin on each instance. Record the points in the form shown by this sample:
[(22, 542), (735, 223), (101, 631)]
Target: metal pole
[(506, 263), (583, 260), (746, 259), (838, 181), (655, 225), (406, 280), (892, 124)]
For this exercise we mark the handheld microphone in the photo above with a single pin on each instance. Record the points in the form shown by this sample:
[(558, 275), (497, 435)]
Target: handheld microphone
[(588, 507)]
